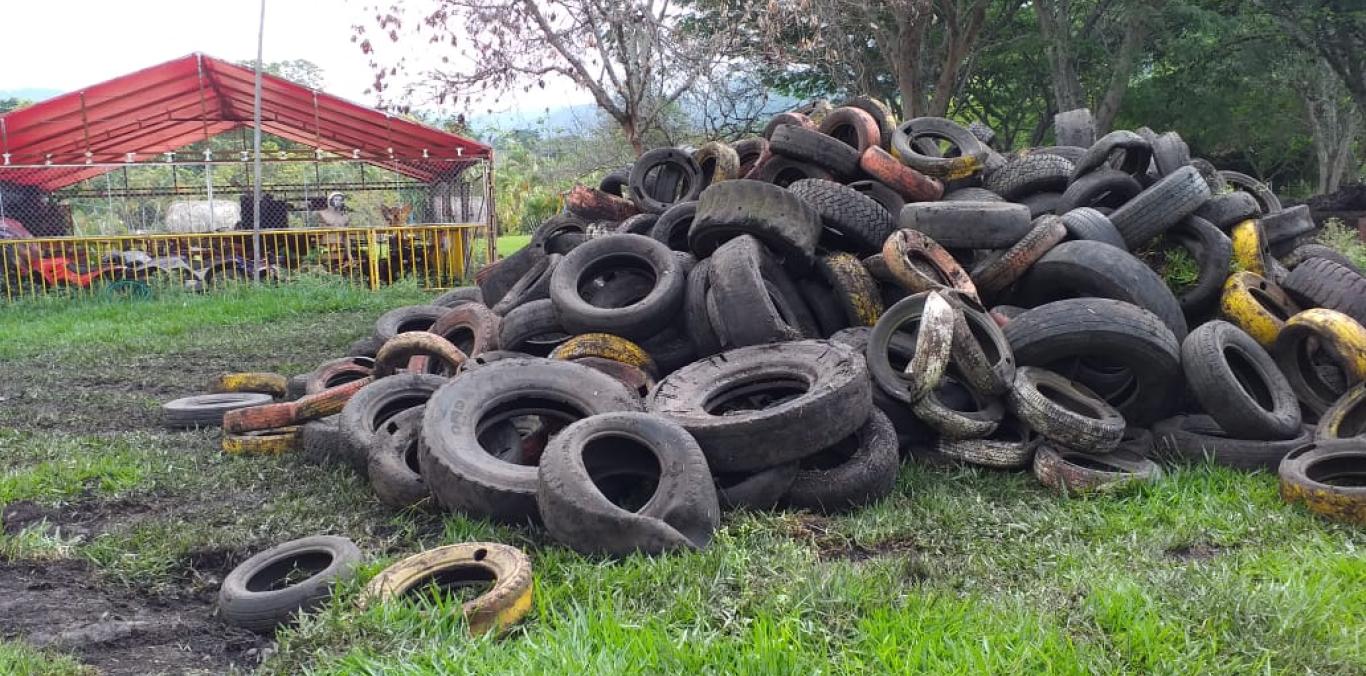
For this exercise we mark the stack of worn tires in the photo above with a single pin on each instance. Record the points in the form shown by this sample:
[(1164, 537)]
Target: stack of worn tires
[(781, 321)]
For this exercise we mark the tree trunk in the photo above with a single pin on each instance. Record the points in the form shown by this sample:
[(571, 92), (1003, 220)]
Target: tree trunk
[(1056, 30), (1135, 35), (911, 24), (631, 131)]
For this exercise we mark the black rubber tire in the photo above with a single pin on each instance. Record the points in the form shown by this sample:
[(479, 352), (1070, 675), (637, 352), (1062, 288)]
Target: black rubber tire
[(1107, 188), (1087, 223), (1229, 209), (922, 326), (1266, 199), (1087, 268), (533, 328), (835, 398), (783, 171), (1238, 383), (885, 197), (812, 147), (981, 352), (367, 410), (1055, 335), (322, 443), (786, 224), (1030, 174), (1161, 206), (972, 195), (1075, 127), (1064, 412), (688, 186), (1041, 203), (825, 309), (958, 411), (670, 349), (1128, 152), (1011, 446), (1319, 282), (968, 225), (575, 490), (206, 410), (461, 473), (241, 605), (409, 318), (754, 300), (761, 490), (1304, 252), (1072, 154), (645, 317), (459, 296), (495, 279), (534, 285), (294, 387), (548, 235), (855, 472), (1193, 438), (914, 138), (673, 225), (1170, 153), (615, 182), (366, 346), (852, 221), (1213, 254), (1287, 224), (696, 321), (792, 118), (639, 224), (392, 463)]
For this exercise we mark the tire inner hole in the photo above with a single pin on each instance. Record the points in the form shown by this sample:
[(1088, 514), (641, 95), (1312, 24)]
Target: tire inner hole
[(1068, 398), (1347, 472), (1092, 463), (1249, 377), (532, 420), (1269, 303), (754, 394), (344, 377), (456, 584), (617, 264), (394, 407), (789, 175), (624, 470), (416, 324), (1308, 359), (289, 571), (834, 456)]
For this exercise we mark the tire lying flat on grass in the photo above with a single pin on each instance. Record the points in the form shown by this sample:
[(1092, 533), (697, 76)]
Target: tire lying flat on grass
[(265, 590)]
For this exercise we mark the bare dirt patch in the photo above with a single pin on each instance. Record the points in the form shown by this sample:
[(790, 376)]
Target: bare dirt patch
[(64, 606), (1195, 551)]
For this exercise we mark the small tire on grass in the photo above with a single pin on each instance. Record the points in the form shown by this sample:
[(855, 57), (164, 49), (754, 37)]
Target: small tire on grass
[(472, 564), (1071, 472), (252, 596), (206, 410), (1238, 384)]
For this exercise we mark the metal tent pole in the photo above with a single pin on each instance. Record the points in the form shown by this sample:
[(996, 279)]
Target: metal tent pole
[(256, 150)]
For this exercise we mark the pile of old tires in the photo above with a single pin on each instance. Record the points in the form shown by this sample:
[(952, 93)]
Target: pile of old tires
[(780, 322)]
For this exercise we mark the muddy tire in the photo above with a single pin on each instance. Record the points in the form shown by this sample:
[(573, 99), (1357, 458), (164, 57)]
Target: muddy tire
[(1346, 418), (1069, 471), (322, 443), (997, 273), (780, 219), (392, 463), (586, 507), (471, 327), (405, 319), (755, 301), (1326, 477), (968, 225), (645, 317), (378, 402), (926, 319), (959, 412), (1161, 206), (328, 559), (822, 389), (760, 490), (1065, 412), (857, 471), (672, 226), (533, 328), (467, 478), (1011, 446)]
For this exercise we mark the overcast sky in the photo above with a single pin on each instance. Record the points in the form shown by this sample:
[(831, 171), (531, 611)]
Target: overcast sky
[(68, 44)]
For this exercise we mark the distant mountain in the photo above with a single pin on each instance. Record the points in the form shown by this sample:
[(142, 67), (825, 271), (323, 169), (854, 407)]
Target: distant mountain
[(34, 94), (557, 120)]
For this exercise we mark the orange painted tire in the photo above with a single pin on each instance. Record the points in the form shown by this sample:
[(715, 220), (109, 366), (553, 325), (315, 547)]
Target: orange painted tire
[(595, 205), (289, 413), (919, 264), (472, 328), (907, 182)]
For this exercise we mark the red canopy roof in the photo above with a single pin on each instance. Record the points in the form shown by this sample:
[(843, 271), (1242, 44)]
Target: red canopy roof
[(169, 106)]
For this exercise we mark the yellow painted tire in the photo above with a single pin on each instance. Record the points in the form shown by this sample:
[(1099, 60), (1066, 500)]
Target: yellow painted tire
[(1250, 249), (855, 289), (1346, 418), (1256, 305), (503, 605), (1326, 476), (262, 442), (605, 346), (1336, 334), (273, 384)]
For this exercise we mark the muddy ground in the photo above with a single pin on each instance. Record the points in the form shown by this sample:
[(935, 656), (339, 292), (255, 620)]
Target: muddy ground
[(67, 605)]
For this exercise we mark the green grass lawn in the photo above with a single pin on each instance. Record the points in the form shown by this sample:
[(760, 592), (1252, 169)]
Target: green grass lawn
[(960, 571)]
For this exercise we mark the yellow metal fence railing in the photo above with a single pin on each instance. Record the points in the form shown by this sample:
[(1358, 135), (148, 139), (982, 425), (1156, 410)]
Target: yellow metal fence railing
[(435, 256)]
